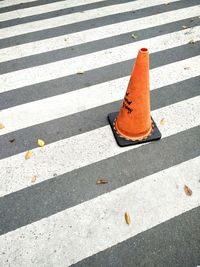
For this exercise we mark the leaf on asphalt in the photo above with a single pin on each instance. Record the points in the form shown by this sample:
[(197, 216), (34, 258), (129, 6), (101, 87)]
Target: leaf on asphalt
[(40, 142), (33, 179), (12, 140), (187, 190), (127, 218), (29, 154), (184, 27), (134, 36), (2, 126), (80, 71), (101, 181), (162, 121), (191, 42)]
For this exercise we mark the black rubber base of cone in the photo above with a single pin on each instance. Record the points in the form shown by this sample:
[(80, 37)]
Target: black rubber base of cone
[(156, 135)]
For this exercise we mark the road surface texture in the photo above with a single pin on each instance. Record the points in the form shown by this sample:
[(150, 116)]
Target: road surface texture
[(64, 65)]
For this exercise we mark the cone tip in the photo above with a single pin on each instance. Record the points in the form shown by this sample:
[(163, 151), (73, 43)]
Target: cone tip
[(144, 50)]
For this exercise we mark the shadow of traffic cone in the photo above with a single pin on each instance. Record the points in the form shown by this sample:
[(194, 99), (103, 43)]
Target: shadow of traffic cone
[(133, 124)]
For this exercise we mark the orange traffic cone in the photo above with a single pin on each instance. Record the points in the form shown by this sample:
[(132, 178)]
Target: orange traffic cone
[(133, 124)]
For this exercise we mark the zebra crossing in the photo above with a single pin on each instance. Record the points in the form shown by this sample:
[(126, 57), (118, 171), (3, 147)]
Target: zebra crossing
[(65, 65)]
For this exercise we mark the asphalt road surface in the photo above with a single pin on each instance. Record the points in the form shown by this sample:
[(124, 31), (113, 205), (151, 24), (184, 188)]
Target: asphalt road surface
[(64, 65)]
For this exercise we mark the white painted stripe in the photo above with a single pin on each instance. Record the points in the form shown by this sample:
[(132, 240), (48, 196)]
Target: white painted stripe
[(7, 3), (77, 17), (62, 68), (87, 148), (93, 226), (51, 108), (95, 34), (36, 10)]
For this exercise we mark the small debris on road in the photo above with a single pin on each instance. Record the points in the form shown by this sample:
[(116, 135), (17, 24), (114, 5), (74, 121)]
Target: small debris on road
[(40, 142), (101, 181), (28, 154), (163, 121), (127, 218), (134, 36), (12, 140), (2, 126), (33, 179), (187, 190)]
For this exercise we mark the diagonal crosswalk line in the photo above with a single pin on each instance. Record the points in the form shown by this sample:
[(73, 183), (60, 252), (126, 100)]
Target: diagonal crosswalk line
[(51, 108), (50, 71), (52, 44), (95, 225), (74, 18), (87, 148), (7, 3), (25, 12)]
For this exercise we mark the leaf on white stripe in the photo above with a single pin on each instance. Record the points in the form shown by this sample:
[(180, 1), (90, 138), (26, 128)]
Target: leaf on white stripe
[(33, 179), (187, 190), (2, 126), (163, 121), (28, 154), (127, 218)]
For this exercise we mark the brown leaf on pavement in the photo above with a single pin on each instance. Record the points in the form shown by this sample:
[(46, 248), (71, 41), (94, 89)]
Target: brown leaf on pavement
[(2, 126), (101, 181), (29, 154), (162, 121), (33, 179), (187, 190), (127, 218)]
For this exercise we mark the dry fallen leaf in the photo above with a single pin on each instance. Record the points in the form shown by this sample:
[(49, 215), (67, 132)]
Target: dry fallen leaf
[(40, 142), (29, 154), (184, 27), (12, 140), (80, 71), (127, 218), (101, 181), (33, 179), (134, 36), (187, 190), (162, 121), (2, 126)]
